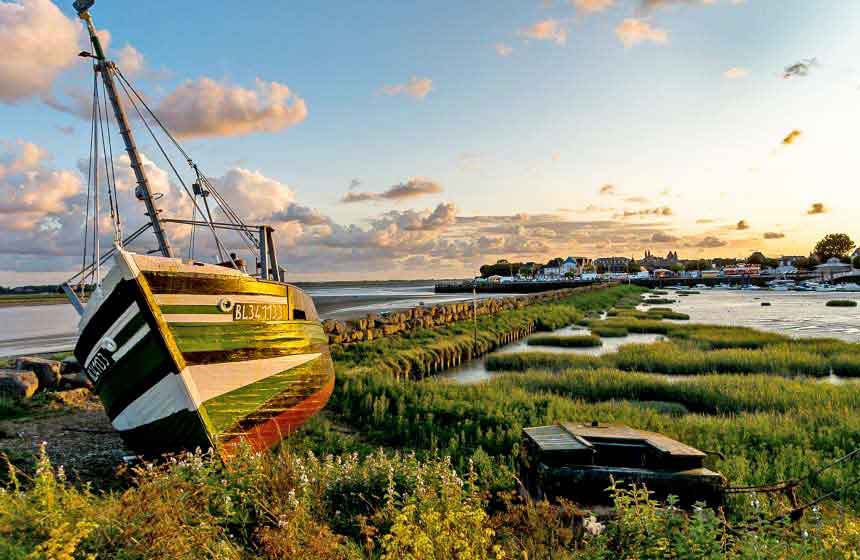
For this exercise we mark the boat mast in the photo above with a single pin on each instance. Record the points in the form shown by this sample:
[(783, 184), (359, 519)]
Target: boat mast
[(106, 68)]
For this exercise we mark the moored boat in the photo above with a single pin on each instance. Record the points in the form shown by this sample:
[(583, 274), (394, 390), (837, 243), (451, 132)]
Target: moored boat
[(185, 354)]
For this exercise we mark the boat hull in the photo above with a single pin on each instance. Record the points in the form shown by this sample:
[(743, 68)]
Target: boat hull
[(187, 356)]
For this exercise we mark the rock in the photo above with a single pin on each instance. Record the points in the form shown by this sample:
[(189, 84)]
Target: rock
[(75, 381), (73, 398), (48, 371), (70, 365), (18, 384)]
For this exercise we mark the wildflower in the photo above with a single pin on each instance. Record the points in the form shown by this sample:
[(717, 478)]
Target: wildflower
[(592, 526)]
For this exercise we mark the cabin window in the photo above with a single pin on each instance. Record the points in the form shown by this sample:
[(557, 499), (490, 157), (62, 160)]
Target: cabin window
[(299, 315)]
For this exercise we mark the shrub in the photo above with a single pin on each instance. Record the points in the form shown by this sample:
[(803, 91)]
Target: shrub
[(576, 341)]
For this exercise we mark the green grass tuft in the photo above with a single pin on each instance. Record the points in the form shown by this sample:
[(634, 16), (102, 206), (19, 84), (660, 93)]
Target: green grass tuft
[(574, 341), (841, 303)]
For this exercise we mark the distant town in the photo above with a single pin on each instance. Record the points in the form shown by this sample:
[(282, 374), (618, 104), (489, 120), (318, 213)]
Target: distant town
[(831, 260)]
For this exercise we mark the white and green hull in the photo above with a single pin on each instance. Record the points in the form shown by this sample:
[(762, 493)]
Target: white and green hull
[(190, 355)]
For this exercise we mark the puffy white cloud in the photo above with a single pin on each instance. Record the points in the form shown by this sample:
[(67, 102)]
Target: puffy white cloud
[(253, 195), (38, 42), (416, 87), (633, 31), (205, 107), (130, 60), (30, 193), (546, 30)]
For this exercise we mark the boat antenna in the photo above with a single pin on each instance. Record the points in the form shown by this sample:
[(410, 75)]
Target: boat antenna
[(107, 68)]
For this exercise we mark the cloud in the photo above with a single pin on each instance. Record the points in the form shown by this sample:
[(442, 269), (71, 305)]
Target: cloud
[(253, 195), (130, 60), (38, 42), (503, 49), (608, 190), (742, 225), (660, 237), (31, 194), (709, 242), (204, 107), (633, 31), (649, 5), (736, 73), (592, 6), (636, 200), (773, 235), (660, 211), (410, 189), (304, 215), (546, 30), (416, 87), (792, 136), (817, 208)]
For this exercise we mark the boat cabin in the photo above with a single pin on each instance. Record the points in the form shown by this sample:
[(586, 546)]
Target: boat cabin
[(579, 461)]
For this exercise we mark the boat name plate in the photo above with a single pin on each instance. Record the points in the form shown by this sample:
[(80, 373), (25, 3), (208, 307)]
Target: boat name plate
[(261, 312), (100, 363)]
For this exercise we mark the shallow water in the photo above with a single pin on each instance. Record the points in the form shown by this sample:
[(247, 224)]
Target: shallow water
[(476, 372), (799, 314)]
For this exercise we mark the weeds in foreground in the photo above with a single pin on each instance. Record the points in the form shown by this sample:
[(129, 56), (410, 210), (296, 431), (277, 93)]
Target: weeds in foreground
[(385, 506)]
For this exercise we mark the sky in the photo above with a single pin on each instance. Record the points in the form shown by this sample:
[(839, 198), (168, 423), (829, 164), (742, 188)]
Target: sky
[(394, 139)]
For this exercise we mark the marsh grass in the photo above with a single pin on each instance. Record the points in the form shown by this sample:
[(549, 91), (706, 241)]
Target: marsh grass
[(606, 331), (522, 361), (841, 303), (419, 353), (410, 501), (658, 301), (573, 341)]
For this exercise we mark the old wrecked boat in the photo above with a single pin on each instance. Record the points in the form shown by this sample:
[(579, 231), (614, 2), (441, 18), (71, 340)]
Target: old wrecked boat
[(579, 462), (186, 354)]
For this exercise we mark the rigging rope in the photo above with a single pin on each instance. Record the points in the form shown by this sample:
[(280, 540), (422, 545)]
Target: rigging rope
[(111, 184), (250, 239), (112, 179), (82, 283), (218, 243)]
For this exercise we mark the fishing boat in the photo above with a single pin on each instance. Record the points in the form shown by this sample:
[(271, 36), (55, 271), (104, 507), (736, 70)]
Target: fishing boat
[(187, 354)]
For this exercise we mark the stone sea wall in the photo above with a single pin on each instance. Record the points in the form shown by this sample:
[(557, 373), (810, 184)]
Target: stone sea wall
[(428, 316)]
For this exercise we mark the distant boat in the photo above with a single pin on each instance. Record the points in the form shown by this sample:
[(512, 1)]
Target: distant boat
[(185, 354), (781, 285)]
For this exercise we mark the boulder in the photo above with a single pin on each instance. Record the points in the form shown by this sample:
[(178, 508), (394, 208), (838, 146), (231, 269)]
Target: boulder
[(48, 371), (18, 384), (70, 365)]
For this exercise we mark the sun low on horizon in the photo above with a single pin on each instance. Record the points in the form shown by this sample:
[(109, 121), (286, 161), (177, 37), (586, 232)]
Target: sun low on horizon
[(420, 140)]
